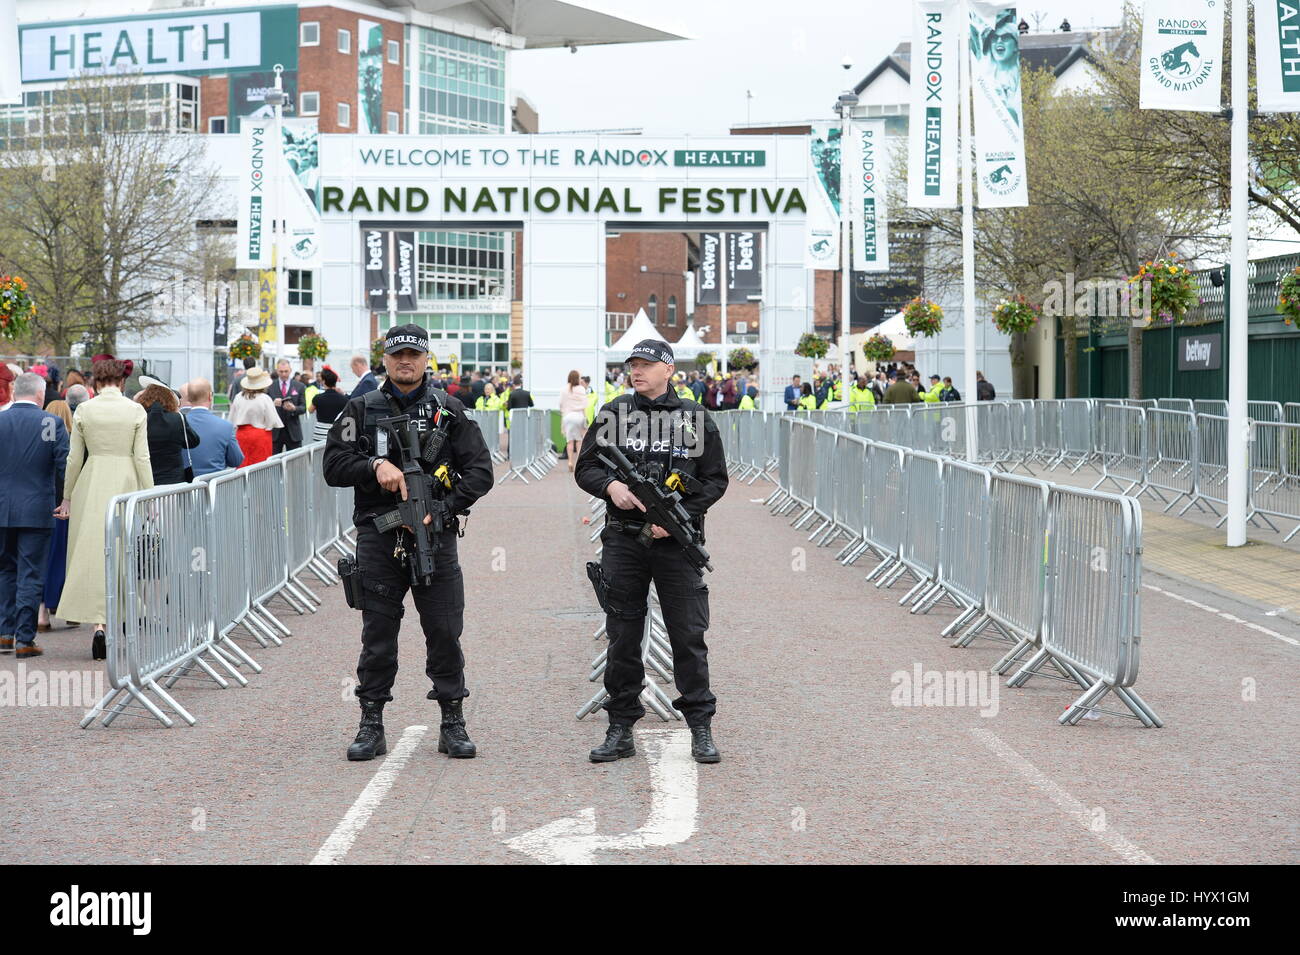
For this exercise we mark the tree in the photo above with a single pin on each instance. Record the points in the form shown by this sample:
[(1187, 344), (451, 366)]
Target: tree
[(1092, 212), (102, 213)]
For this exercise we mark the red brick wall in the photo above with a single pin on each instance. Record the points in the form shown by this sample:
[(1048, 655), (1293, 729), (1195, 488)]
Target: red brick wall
[(664, 256), (324, 70), (214, 99), (711, 315)]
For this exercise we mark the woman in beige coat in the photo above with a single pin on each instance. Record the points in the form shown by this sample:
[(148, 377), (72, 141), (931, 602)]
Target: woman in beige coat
[(108, 455)]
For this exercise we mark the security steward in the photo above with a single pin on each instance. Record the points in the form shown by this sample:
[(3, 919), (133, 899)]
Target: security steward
[(361, 455), (674, 440)]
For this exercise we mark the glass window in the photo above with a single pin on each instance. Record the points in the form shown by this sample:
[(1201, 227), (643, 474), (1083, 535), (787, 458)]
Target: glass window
[(652, 309), (309, 34), (393, 123), (216, 124), (394, 52), (345, 114), (672, 311), (502, 353), (300, 287), (345, 41), (308, 104)]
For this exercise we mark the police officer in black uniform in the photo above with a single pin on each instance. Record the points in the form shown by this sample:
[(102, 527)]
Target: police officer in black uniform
[(360, 455), (660, 434)]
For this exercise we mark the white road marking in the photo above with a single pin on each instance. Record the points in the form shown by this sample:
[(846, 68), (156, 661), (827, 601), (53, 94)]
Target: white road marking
[(1219, 613), (341, 839), (1081, 814), (674, 807)]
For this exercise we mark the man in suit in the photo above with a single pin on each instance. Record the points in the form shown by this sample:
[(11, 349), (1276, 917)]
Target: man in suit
[(367, 380), (217, 449), (793, 392), (31, 482), (286, 394)]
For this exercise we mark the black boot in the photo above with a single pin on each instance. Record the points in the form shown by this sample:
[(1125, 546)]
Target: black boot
[(618, 744), (452, 738), (702, 747), (370, 740)]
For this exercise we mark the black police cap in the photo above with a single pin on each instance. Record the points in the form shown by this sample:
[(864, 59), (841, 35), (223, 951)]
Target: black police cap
[(406, 336), (653, 350)]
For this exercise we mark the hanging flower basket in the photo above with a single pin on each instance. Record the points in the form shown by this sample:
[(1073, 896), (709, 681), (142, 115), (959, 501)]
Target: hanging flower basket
[(376, 353), (812, 345), (922, 317), (312, 347), (704, 359), (16, 307), (516, 363), (1288, 297), (741, 358), (245, 346), (1015, 314), (1173, 290), (878, 348)]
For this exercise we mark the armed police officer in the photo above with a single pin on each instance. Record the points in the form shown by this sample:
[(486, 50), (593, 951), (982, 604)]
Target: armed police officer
[(673, 447), (406, 448)]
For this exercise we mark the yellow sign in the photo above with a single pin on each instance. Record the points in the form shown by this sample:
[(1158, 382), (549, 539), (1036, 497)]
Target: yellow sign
[(266, 330)]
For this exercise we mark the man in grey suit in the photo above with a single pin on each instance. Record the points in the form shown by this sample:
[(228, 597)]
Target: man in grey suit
[(31, 482)]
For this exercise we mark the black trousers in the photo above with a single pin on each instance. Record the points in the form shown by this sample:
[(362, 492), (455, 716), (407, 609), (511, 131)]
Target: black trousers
[(441, 608), (280, 441), (684, 598)]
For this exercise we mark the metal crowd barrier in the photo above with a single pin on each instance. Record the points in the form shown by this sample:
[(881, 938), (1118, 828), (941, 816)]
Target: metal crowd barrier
[(187, 566), (1053, 571), (530, 444), (489, 422), (1170, 449)]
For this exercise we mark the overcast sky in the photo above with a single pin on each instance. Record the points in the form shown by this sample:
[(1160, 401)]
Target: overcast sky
[(788, 54)]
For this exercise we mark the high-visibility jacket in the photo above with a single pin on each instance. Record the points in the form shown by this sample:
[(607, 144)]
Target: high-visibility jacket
[(931, 395), (808, 402), (685, 393), (860, 398), (612, 391), (494, 403), (747, 403), (839, 390), (591, 407)]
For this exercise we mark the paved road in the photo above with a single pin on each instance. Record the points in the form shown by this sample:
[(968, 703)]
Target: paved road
[(819, 764)]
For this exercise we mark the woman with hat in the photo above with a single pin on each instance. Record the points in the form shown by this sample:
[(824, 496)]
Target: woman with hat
[(169, 433), (108, 455), (254, 416)]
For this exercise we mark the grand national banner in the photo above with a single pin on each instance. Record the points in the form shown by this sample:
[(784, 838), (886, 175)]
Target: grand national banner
[(1182, 54), (822, 235), (1277, 55), (867, 164), (257, 164), (999, 121), (932, 157)]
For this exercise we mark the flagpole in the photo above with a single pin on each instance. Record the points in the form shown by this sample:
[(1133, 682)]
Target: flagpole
[(967, 229), (1238, 335)]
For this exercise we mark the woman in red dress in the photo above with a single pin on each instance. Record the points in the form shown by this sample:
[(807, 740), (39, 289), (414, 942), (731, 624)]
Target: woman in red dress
[(254, 416)]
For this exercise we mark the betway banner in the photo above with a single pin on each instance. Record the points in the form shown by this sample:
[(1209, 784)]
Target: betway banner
[(1277, 55), (867, 163), (1182, 54), (257, 163), (932, 158), (404, 257), (822, 229), (999, 121)]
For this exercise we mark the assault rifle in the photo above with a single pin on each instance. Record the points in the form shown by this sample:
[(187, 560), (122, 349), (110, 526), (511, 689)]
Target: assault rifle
[(662, 507)]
